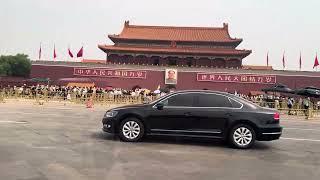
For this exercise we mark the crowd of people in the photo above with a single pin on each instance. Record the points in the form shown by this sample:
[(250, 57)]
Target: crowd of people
[(285, 102), (67, 92)]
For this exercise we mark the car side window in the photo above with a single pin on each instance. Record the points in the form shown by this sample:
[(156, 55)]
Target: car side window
[(186, 100), (212, 100), (235, 104)]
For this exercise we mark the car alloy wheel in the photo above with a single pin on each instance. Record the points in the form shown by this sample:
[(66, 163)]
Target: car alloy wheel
[(242, 136), (131, 129)]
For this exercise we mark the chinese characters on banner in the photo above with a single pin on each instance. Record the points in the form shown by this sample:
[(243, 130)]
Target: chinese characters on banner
[(237, 78), (116, 73)]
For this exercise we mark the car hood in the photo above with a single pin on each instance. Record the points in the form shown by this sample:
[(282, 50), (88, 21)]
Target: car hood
[(131, 106)]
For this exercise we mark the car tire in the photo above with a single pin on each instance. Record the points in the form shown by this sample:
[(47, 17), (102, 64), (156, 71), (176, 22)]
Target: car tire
[(242, 136), (131, 130)]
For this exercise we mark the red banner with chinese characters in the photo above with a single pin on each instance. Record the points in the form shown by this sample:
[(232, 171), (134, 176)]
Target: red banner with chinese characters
[(115, 73), (237, 78)]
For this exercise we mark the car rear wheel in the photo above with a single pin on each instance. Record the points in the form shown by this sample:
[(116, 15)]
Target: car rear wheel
[(242, 136), (131, 130)]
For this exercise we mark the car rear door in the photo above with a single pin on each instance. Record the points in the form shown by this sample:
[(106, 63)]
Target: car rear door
[(211, 114)]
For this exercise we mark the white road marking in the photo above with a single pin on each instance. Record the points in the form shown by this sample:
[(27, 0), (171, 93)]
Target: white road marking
[(14, 122), (302, 129), (301, 139), (24, 113), (41, 113), (46, 108), (302, 121), (29, 113)]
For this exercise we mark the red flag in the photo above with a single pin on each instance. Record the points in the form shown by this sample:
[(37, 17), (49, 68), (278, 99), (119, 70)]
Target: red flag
[(300, 62), (267, 58), (316, 62), (80, 53), (70, 53), (283, 61), (54, 52), (40, 51)]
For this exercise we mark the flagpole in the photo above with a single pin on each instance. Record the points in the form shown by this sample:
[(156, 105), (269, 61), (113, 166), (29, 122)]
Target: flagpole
[(40, 52), (283, 61), (300, 62), (268, 59)]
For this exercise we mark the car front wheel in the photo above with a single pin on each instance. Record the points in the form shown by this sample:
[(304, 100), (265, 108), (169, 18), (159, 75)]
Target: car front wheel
[(242, 136), (131, 130)]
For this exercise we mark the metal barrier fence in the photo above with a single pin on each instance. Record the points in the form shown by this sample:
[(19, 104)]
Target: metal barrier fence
[(297, 108), (283, 105), (97, 98), (108, 99)]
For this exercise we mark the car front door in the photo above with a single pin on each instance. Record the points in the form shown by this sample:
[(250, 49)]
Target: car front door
[(175, 116)]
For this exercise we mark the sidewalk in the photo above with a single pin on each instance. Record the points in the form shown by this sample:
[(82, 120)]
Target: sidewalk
[(302, 118), (65, 104), (54, 104)]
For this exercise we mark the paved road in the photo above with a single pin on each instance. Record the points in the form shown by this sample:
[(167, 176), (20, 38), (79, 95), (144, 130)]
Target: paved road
[(56, 142)]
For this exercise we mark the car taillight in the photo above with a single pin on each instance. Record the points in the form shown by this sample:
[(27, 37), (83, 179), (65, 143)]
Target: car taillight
[(276, 116)]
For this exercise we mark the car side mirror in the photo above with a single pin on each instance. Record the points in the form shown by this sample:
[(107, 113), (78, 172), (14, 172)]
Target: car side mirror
[(159, 106)]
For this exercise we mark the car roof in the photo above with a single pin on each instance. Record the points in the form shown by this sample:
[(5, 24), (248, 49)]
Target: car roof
[(246, 103), (201, 91)]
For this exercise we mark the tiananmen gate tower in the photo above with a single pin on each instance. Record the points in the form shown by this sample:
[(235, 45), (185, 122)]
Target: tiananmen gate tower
[(175, 46)]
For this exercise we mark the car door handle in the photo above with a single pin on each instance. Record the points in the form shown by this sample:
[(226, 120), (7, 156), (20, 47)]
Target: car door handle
[(187, 114), (228, 114)]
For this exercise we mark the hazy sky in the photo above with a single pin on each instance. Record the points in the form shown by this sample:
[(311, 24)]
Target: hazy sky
[(265, 25)]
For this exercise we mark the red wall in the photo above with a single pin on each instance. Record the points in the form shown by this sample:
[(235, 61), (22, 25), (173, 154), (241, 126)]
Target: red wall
[(186, 80), (12, 81)]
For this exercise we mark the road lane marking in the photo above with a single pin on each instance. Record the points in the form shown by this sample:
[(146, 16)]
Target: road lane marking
[(42, 113), (301, 139), (22, 113), (40, 109), (302, 129), (14, 122), (301, 121)]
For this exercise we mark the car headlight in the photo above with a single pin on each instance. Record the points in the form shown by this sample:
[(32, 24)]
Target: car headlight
[(111, 114)]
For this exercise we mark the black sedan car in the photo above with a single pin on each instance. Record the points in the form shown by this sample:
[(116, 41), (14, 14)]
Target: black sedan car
[(196, 113)]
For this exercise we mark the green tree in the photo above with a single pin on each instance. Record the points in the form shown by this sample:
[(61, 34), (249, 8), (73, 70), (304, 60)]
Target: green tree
[(5, 69), (18, 65)]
